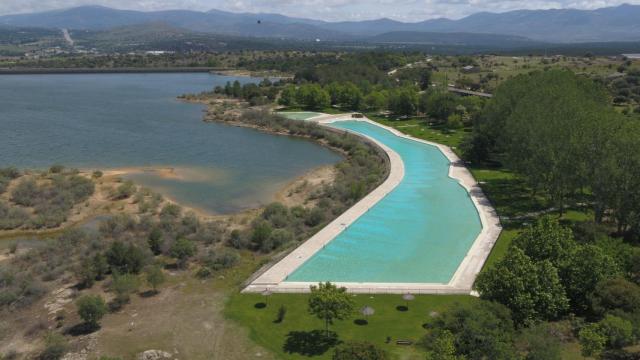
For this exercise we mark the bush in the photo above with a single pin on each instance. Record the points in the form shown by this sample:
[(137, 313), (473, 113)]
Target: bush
[(124, 190), (26, 193), (155, 277), (125, 259), (359, 351), (182, 250), (55, 347), (91, 309), (124, 285)]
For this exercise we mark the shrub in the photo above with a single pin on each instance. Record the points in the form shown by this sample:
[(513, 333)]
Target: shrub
[(125, 259), (359, 351), (124, 285), (91, 309), (26, 193), (55, 347), (155, 277), (124, 190), (182, 250)]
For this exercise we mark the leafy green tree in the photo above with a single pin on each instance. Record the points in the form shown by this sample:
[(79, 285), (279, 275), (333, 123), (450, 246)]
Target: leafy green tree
[(547, 240), (592, 340), (124, 285), (359, 351), (91, 309), (403, 102), (583, 272), (375, 101), (617, 331), (531, 290), (350, 96), (288, 96), (482, 330), (125, 259), (182, 250), (313, 97), (541, 343), (617, 295), (439, 105), (155, 277), (442, 347), (329, 303)]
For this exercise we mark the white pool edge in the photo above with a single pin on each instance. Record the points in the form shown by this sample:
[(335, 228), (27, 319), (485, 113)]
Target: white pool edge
[(462, 280)]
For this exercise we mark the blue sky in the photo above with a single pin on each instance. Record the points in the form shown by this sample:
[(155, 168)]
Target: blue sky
[(332, 10)]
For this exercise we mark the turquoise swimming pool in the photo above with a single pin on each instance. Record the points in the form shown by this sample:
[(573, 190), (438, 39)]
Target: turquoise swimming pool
[(419, 233)]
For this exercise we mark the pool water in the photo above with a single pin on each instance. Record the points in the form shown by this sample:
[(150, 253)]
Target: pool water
[(419, 233)]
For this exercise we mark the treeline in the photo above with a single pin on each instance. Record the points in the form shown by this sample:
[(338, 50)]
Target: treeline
[(554, 285), (41, 200), (262, 93), (558, 131)]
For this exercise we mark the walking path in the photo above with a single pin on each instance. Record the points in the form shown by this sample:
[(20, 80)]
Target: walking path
[(462, 281)]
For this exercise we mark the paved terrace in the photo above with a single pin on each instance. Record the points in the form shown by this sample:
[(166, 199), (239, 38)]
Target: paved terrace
[(274, 278)]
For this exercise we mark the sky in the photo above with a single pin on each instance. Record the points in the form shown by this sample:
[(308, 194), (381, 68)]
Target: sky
[(330, 10)]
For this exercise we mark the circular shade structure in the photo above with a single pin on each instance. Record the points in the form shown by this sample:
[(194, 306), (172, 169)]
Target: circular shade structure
[(367, 311)]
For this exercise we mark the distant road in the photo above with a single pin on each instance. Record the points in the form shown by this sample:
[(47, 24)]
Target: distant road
[(67, 37), (22, 71)]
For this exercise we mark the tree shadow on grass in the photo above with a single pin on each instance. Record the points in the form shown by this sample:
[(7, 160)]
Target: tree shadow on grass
[(260, 305), (310, 343), (360, 322), (81, 329), (402, 308)]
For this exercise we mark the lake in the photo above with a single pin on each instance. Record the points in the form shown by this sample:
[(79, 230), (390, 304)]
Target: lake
[(113, 121)]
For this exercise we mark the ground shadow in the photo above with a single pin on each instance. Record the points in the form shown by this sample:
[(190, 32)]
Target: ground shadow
[(310, 343), (148, 293), (402, 308), (81, 329), (260, 305), (360, 322)]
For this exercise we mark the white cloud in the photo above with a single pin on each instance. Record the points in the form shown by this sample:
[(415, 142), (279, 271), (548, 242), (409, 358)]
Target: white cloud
[(406, 10)]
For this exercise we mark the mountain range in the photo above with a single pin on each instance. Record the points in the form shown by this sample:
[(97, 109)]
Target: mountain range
[(620, 23)]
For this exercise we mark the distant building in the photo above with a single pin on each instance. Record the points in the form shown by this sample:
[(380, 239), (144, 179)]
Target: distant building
[(470, 69), (632, 56)]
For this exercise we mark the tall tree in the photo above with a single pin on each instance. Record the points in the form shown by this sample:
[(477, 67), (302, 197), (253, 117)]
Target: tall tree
[(329, 303)]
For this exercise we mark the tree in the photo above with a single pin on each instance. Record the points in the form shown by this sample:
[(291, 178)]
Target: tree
[(442, 347), (155, 241), (313, 97), (439, 105), (375, 101), (182, 250), (540, 343), (288, 96), (617, 331), (547, 240), (615, 295), (582, 273), (591, 340), (531, 290), (482, 330), (329, 303), (403, 102), (124, 285), (125, 259), (91, 309), (155, 277), (359, 351)]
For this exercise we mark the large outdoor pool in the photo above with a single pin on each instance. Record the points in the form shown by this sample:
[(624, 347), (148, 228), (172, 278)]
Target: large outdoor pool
[(419, 233)]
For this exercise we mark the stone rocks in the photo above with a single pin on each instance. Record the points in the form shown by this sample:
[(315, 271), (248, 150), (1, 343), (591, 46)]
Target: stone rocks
[(154, 355)]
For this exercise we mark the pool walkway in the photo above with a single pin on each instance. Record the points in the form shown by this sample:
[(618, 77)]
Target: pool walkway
[(274, 277)]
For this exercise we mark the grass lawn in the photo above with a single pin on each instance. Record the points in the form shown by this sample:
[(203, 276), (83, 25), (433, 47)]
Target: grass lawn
[(301, 334)]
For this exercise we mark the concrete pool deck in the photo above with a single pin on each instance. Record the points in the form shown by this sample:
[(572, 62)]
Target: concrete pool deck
[(274, 278)]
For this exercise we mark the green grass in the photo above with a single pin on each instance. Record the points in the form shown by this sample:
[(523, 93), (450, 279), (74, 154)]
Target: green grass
[(290, 339), (422, 129)]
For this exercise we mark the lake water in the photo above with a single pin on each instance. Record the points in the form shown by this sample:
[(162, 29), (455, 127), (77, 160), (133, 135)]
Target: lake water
[(107, 121)]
